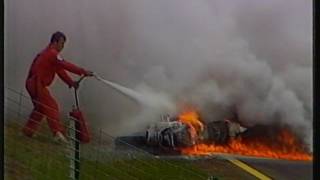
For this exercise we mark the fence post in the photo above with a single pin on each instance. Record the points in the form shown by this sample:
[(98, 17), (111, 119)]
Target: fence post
[(74, 149)]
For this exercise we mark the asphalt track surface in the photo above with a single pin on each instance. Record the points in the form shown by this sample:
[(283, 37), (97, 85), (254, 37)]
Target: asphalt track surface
[(281, 169), (272, 168), (262, 168)]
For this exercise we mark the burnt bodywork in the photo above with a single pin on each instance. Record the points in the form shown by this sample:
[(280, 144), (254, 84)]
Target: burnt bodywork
[(217, 132), (169, 134)]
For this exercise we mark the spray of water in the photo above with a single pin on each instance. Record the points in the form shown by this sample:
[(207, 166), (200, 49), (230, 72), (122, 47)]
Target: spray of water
[(152, 105), (146, 99)]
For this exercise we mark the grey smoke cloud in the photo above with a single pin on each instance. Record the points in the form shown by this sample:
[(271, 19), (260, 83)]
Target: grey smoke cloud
[(217, 54)]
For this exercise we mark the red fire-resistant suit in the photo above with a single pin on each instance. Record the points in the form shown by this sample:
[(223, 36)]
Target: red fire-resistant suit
[(41, 74)]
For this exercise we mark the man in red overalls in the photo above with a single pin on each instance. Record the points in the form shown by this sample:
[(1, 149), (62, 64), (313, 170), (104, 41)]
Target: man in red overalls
[(44, 67)]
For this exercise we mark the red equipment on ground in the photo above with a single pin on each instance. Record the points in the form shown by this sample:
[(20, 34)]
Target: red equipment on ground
[(84, 134)]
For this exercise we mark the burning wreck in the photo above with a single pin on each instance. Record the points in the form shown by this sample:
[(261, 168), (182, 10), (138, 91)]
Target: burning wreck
[(187, 134), (178, 132)]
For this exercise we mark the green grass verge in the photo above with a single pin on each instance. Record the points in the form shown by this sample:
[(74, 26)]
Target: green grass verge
[(41, 158)]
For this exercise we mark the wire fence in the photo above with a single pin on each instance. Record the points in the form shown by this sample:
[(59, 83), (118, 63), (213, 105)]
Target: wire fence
[(41, 157)]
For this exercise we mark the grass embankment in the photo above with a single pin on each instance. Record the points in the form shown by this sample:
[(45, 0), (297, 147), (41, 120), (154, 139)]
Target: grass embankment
[(41, 158)]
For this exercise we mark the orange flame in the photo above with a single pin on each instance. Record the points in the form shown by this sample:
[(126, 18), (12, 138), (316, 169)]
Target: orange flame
[(191, 118), (284, 146)]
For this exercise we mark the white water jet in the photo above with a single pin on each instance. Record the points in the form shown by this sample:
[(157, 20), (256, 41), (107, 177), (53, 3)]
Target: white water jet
[(147, 99)]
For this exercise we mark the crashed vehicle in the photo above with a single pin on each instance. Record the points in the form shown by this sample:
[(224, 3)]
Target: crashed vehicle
[(169, 132)]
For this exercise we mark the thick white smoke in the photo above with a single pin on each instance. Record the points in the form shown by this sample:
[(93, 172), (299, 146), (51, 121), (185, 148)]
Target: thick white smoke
[(245, 56), (266, 74)]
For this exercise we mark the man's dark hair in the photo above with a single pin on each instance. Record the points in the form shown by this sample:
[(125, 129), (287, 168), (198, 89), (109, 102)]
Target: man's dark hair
[(56, 36)]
